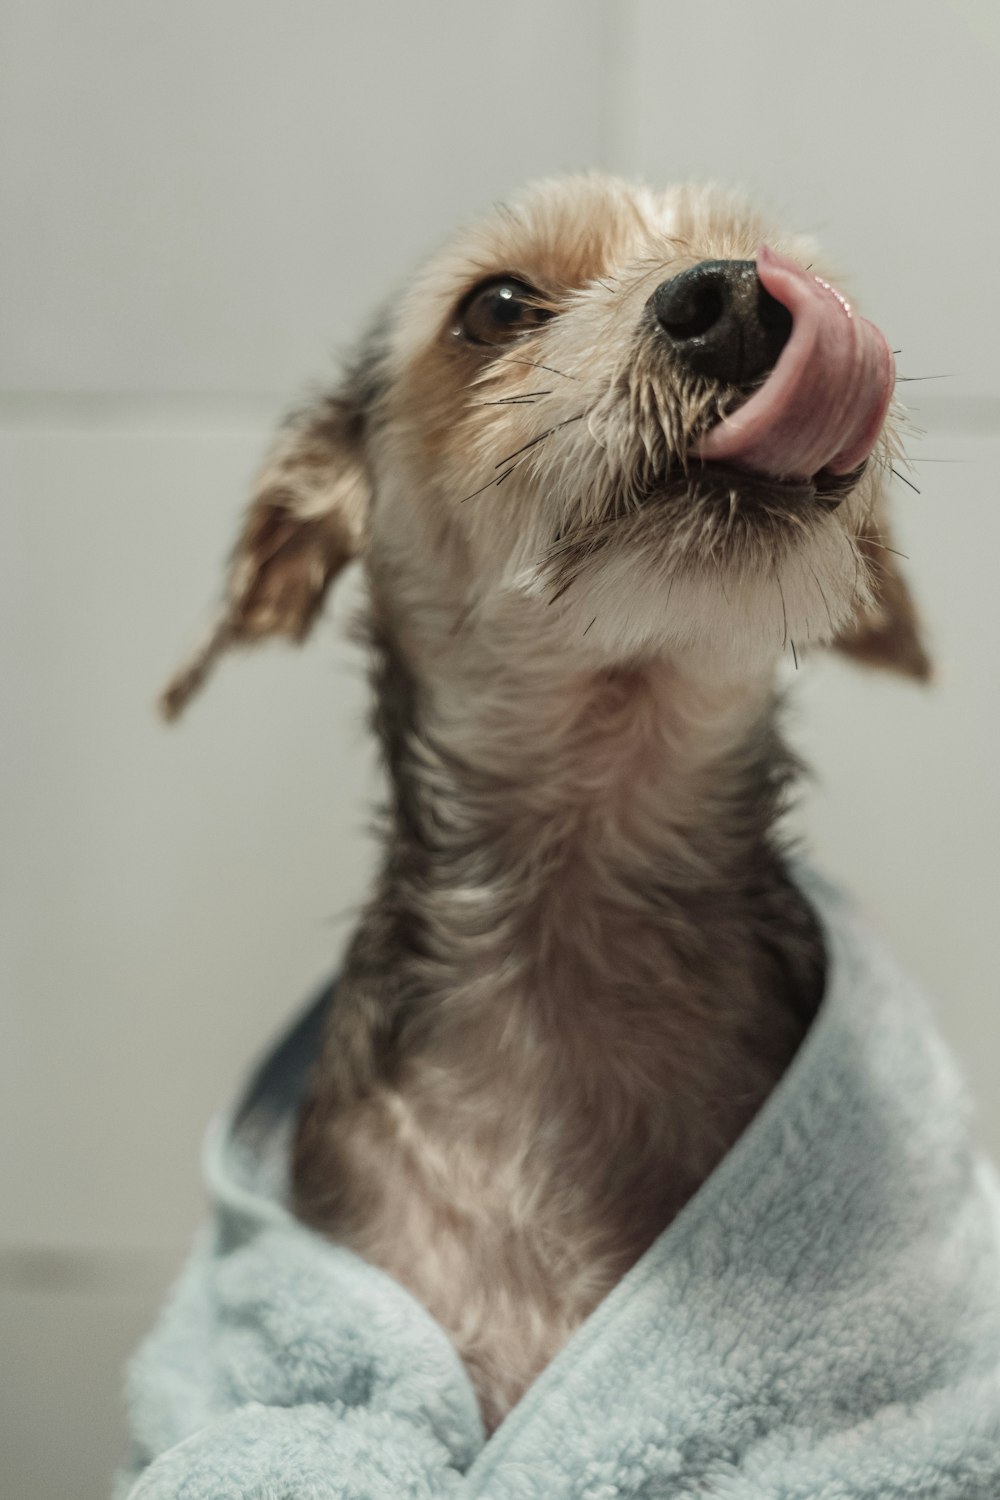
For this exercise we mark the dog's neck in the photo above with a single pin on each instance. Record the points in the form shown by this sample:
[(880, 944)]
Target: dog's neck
[(583, 971), (544, 769), (573, 845)]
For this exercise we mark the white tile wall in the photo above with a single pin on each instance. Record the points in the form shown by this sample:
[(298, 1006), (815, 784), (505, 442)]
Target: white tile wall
[(175, 891), (208, 196), (200, 205), (873, 123), (67, 1326)]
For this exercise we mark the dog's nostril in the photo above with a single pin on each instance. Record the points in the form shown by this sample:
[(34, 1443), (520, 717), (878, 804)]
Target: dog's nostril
[(720, 322), (689, 308)]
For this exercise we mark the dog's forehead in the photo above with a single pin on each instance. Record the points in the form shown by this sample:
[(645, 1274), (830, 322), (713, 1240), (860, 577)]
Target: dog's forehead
[(567, 232), (558, 235)]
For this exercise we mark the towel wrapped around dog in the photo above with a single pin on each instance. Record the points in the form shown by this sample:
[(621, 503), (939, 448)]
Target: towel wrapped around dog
[(821, 1322)]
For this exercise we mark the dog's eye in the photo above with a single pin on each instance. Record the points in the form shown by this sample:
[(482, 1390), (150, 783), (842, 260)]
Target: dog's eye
[(499, 310)]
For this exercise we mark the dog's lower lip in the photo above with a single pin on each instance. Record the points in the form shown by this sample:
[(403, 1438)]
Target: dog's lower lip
[(748, 482), (823, 488)]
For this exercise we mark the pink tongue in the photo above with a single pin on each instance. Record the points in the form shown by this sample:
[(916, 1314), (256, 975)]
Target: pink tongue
[(823, 404)]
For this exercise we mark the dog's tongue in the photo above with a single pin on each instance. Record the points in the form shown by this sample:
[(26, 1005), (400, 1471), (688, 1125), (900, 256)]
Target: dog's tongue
[(823, 404)]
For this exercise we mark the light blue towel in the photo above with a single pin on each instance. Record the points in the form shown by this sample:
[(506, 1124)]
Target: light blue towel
[(822, 1322)]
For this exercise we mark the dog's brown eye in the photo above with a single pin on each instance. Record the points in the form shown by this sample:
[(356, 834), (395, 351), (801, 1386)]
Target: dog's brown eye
[(499, 310)]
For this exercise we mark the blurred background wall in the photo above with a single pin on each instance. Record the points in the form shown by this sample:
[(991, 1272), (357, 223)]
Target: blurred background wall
[(200, 204)]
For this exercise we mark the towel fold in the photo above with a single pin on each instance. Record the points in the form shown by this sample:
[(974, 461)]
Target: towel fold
[(821, 1322)]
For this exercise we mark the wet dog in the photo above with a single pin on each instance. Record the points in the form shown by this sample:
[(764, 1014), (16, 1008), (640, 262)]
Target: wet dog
[(606, 460)]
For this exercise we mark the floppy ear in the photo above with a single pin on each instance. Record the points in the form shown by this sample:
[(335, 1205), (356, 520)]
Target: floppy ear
[(886, 632), (306, 520)]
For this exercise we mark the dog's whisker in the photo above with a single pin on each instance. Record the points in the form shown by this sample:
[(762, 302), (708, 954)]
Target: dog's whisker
[(532, 444), (527, 398), (490, 483), (561, 590), (509, 359), (903, 477), (869, 541), (784, 611), (540, 438)]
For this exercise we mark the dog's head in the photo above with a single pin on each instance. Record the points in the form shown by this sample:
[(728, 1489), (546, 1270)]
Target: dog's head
[(646, 419)]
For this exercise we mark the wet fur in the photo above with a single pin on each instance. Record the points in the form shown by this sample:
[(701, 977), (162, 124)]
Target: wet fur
[(572, 991), (584, 965)]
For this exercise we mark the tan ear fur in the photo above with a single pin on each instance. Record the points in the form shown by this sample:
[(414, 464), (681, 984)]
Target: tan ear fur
[(887, 633), (306, 521)]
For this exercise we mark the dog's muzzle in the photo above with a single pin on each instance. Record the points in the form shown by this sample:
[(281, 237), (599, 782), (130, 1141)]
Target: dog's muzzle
[(823, 376), (720, 322)]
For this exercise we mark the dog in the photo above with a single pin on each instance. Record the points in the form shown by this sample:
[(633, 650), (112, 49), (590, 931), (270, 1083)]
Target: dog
[(607, 459)]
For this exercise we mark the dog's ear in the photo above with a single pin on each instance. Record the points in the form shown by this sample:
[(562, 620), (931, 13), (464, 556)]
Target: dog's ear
[(887, 631), (306, 520)]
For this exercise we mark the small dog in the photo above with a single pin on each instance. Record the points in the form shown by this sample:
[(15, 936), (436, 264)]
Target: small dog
[(606, 459)]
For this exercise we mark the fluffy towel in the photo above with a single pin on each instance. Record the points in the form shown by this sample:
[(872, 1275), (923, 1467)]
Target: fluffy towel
[(821, 1322)]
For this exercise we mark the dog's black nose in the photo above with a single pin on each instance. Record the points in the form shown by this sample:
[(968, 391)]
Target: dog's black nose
[(720, 321)]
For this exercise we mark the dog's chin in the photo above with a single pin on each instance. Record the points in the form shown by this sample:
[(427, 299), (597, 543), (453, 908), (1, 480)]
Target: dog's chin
[(722, 624), (719, 568)]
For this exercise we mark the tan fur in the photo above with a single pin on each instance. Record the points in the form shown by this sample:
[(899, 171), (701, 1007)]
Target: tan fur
[(584, 966)]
